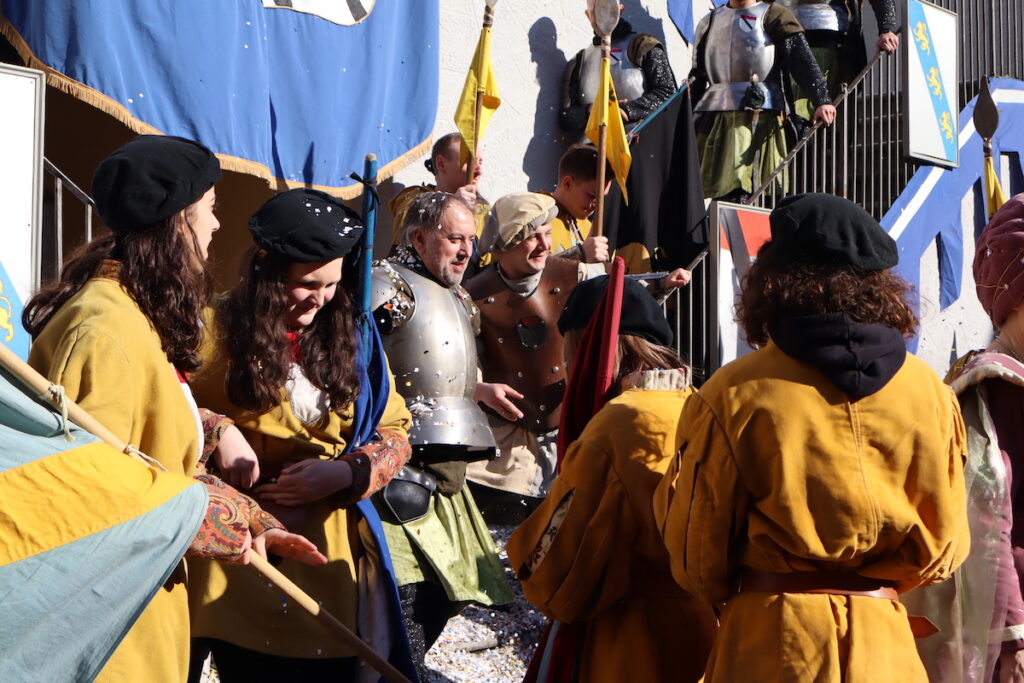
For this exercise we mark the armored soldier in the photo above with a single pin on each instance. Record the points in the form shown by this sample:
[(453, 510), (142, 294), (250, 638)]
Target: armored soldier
[(640, 70), (441, 548), (742, 49), (834, 30), (520, 298)]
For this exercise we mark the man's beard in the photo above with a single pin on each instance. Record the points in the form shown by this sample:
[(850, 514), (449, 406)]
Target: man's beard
[(449, 276)]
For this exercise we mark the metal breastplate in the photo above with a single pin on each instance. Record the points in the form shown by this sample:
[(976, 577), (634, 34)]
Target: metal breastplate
[(821, 15), (522, 344), (737, 48), (627, 76), (433, 358)]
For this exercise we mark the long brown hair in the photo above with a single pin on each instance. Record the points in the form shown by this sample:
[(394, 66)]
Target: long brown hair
[(777, 287), (160, 270), (633, 354), (252, 331)]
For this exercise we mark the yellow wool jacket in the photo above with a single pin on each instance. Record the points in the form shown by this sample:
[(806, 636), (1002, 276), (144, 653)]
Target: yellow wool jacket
[(779, 472), (102, 349), (231, 603), (591, 552)]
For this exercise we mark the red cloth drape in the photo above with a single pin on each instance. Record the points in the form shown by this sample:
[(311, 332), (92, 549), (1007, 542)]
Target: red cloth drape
[(590, 379)]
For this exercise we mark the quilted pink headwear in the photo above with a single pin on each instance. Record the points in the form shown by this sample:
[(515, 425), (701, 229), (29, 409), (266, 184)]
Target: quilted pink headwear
[(999, 262)]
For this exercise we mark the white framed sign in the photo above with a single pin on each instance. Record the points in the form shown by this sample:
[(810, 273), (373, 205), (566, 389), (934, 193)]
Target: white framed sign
[(738, 233), (21, 189), (931, 108)]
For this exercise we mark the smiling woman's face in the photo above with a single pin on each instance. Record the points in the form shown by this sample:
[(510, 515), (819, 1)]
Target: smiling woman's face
[(309, 287)]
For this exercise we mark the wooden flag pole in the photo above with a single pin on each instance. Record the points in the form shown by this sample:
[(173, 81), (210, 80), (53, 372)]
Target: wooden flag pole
[(46, 390), (330, 622), (597, 226), (471, 166), (605, 15)]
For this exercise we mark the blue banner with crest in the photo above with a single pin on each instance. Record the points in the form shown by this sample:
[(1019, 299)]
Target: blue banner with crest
[(280, 91)]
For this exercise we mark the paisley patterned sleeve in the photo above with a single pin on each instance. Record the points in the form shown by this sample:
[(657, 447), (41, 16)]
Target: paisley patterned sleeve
[(375, 464), (229, 515), (214, 425)]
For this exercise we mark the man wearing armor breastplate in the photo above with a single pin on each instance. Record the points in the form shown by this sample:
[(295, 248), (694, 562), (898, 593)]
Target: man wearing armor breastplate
[(743, 47), (520, 297), (441, 548), (835, 32), (640, 70)]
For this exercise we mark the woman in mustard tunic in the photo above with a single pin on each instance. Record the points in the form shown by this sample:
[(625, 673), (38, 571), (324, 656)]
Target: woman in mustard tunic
[(284, 367), (822, 474), (591, 552), (120, 330)]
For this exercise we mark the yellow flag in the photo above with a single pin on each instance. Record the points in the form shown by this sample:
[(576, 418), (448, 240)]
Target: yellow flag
[(479, 79), (617, 146), (994, 196)]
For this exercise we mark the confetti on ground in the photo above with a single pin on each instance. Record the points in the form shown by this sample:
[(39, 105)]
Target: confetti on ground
[(516, 628)]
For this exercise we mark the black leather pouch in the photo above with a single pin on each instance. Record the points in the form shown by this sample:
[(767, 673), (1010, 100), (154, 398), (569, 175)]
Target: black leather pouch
[(406, 498)]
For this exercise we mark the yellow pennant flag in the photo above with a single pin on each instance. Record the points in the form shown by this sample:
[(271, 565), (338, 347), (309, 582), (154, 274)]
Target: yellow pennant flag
[(994, 196), (479, 79), (617, 147)]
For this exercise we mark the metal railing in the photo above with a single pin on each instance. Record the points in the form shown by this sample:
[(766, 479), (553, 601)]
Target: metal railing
[(861, 156), (56, 231), (691, 317)]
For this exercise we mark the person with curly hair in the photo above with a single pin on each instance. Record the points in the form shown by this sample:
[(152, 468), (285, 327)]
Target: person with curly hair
[(822, 475), (285, 364), (120, 330)]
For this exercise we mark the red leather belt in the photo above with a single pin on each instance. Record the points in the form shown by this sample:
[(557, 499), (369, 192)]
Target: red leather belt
[(831, 583)]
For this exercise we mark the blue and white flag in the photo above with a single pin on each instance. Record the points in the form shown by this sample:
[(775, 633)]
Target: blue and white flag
[(929, 208), (281, 89), (87, 537), (686, 14)]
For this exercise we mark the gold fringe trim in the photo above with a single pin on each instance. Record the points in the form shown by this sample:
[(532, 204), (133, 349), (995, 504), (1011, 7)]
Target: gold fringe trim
[(117, 110)]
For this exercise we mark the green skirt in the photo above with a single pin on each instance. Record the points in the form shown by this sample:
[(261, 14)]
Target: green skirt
[(729, 150), (835, 75), (450, 546)]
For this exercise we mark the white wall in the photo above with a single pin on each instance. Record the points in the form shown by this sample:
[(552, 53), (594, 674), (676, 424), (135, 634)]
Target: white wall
[(531, 44), (964, 325)]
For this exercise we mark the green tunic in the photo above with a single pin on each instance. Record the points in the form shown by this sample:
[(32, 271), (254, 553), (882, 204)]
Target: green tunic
[(450, 546)]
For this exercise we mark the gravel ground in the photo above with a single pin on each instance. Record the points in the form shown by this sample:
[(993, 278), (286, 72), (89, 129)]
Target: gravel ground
[(513, 629)]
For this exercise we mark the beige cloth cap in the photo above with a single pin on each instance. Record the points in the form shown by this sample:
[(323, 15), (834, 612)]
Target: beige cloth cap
[(515, 217)]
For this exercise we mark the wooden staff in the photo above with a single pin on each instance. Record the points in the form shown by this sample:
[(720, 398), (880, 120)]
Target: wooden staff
[(46, 390), (606, 17), (471, 166)]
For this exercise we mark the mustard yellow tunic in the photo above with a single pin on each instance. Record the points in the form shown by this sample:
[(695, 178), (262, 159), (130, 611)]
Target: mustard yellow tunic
[(635, 254), (780, 472), (591, 552), (563, 237), (103, 350), (231, 603)]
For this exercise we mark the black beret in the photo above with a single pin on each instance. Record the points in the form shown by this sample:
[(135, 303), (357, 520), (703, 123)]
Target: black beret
[(641, 314), (150, 179), (824, 228), (306, 226)]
